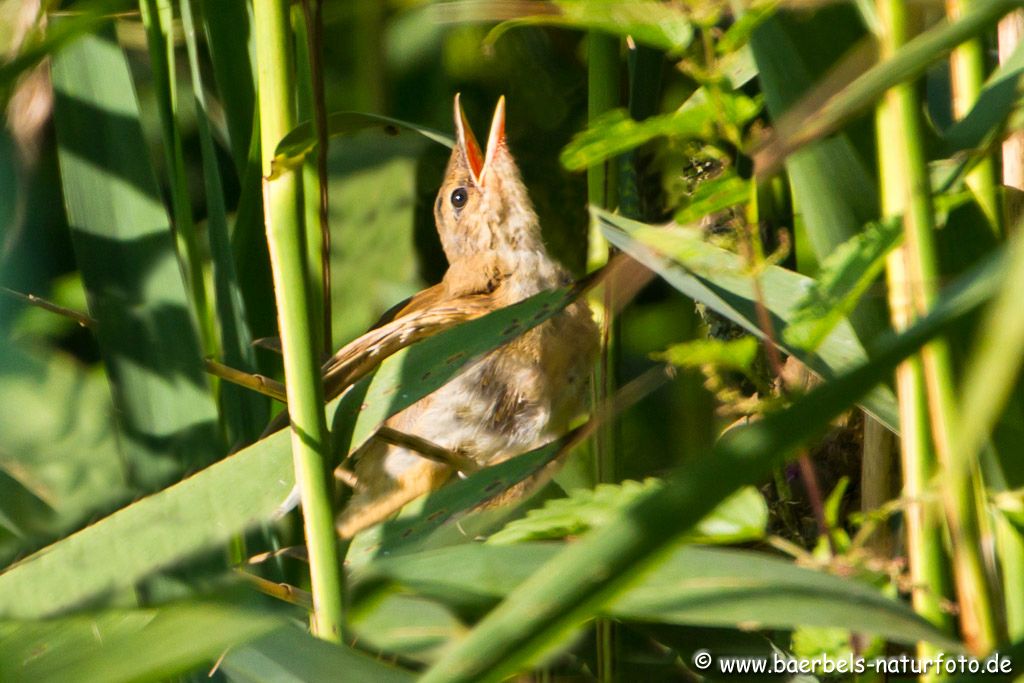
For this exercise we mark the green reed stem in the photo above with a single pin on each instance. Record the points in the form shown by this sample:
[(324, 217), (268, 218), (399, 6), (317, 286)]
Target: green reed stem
[(907, 186), (967, 64), (300, 348)]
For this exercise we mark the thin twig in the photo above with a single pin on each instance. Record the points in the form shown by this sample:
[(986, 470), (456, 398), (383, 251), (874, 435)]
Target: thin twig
[(81, 318), (258, 383)]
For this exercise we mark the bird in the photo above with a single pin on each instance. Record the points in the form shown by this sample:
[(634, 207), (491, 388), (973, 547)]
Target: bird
[(509, 401)]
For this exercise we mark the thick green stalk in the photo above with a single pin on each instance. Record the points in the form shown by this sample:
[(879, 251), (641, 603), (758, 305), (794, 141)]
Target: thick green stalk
[(300, 348), (967, 67), (959, 470), (602, 96), (157, 16), (923, 517)]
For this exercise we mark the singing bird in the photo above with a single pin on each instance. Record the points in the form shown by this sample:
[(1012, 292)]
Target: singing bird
[(514, 398)]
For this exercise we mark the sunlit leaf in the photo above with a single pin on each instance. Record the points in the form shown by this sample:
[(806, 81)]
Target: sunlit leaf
[(842, 280), (741, 517), (719, 279)]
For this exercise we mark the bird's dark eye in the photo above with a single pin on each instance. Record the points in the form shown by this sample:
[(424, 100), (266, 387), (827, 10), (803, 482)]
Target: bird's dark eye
[(459, 197)]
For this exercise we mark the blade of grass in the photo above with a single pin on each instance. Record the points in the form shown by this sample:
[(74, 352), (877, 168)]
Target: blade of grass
[(288, 654), (718, 278), (607, 561), (301, 350), (690, 586), (128, 645), (125, 251), (967, 67), (228, 29), (157, 17), (244, 413)]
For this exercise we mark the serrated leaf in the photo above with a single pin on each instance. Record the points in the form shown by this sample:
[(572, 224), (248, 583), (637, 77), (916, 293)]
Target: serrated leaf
[(741, 517), (713, 196), (616, 132), (734, 354), (842, 280)]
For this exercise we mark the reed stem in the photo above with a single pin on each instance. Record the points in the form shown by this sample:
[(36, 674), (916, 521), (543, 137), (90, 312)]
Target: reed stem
[(300, 348)]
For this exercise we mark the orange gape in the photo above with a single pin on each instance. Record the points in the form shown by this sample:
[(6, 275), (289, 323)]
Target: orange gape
[(512, 399)]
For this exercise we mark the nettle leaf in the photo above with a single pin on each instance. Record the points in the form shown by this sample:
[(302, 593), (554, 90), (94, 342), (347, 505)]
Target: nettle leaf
[(616, 132), (734, 354), (843, 279), (741, 517), (723, 192)]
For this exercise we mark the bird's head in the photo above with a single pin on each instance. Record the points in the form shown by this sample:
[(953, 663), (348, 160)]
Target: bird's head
[(482, 204)]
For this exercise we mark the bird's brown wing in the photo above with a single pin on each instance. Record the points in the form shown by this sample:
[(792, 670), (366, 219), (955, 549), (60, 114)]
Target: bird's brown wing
[(421, 316)]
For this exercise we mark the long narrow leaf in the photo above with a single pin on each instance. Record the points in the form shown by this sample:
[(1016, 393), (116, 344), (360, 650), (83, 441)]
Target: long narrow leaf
[(691, 586), (717, 278), (124, 249)]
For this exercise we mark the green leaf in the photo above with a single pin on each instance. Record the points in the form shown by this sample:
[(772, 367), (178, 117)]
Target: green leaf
[(995, 104), (718, 278), (55, 471), (127, 645), (690, 586), (741, 517), (301, 141), (616, 132), (724, 192), (414, 525), (651, 23), (404, 625), (735, 354), (842, 280), (576, 583), (290, 655), (124, 249), (244, 412)]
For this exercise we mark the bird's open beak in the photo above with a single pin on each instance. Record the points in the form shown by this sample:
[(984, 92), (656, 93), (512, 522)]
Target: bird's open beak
[(478, 161)]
